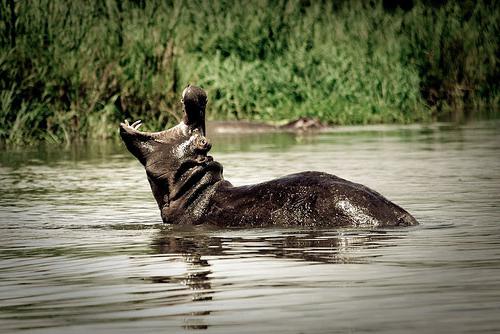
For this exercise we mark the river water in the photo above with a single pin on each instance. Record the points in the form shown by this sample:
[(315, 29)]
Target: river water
[(82, 247)]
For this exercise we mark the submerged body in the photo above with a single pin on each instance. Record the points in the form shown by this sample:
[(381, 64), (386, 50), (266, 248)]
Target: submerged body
[(189, 187)]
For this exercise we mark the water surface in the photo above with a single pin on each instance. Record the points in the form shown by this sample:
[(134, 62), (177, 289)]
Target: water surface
[(82, 247)]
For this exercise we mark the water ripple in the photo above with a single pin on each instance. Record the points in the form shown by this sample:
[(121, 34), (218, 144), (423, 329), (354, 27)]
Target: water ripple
[(82, 247)]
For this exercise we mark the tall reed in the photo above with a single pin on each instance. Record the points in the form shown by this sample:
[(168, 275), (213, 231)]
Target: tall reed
[(71, 70)]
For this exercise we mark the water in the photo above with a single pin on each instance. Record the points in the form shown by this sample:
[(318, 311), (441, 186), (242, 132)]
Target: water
[(82, 248)]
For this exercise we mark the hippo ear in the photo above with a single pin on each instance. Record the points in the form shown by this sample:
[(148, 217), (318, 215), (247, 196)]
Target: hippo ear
[(194, 100)]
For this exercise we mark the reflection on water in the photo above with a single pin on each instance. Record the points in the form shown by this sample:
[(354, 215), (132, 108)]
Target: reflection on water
[(340, 246), (82, 247)]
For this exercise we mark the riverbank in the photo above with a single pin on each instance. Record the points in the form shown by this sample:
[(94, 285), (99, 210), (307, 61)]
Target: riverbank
[(74, 71)]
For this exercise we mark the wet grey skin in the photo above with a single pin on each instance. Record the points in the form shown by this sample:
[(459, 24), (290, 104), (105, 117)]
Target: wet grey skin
[(189, 187)]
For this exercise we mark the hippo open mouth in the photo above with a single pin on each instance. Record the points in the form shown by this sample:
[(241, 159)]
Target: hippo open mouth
[(189, 187)]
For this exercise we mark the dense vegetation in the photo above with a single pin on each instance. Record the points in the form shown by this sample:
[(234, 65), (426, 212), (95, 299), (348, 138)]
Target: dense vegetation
[(74, 69)]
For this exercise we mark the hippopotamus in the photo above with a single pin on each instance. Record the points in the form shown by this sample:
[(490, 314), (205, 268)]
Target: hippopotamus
[(189, 186)]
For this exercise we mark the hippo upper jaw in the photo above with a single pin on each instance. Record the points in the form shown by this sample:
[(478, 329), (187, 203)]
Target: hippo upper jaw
[(194, 100)]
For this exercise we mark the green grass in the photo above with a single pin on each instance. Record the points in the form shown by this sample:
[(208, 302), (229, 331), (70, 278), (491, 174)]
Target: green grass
[(72, 70)]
